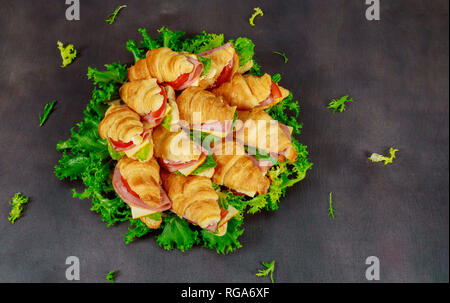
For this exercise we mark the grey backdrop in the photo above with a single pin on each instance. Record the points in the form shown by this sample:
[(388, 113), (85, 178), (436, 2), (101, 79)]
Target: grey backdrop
[(396, 70)]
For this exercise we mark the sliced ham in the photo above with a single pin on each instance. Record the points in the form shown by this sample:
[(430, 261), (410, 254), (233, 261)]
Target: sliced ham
[(173, 166), (209, 52), (134, 201), (194, 75), (267, 101), (217, 126)]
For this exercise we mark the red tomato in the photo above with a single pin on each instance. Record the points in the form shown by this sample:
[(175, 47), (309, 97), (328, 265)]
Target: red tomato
[(160, 110), (121, 144), (237, 193), (125, 183), (276, 93), (225, 75), (179, 81), (223, 213)]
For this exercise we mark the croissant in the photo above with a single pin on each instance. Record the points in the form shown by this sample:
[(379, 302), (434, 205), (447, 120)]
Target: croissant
[(177, 69), (236, 170), (224, 64), (174, 146), (121, 124), (261, 131), (248, 91), (142, 96), (203, 110), (143, 179), (193, 198)]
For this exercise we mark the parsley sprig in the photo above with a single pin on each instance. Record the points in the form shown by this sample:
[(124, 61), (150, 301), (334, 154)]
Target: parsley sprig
[(17, 203), (282, 55), (258, 12), (47, 110), (387, 159), (270, 267), (339, 105), (68, 53), (110, 276), (113, 15)]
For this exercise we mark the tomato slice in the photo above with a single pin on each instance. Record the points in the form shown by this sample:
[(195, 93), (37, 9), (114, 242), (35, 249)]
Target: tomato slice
[(225, 75), (275, 90), (125, 183), (223, 213), (161, 109), (121, 144), (237, 193), (179, 81)]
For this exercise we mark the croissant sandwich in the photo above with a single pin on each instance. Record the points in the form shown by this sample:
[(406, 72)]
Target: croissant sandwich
[(126, 134), (194, 199), (224, 64), (139, 186), (205, 112), (178, 153), (178, 70), (262, 133), (237, 171), (248, 91), (146, 98)]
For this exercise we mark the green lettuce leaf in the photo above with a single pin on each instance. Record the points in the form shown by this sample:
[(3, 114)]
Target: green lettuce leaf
[(177, 234), (209, 163), (227, 243)]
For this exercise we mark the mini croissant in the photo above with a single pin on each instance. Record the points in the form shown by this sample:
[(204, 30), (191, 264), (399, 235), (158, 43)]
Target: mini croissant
[(177, 69), (203, 109), (121, 124), (174, 146), (261, 131), (143, 96), (224, 64), (236, 171), (193, 198), (143, 179), (248, 91)]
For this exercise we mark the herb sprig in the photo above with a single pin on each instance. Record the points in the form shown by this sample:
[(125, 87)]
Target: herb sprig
[(17, 203), (113, 15), (339, 105), (47, 110), (270, 267), (258, 12)]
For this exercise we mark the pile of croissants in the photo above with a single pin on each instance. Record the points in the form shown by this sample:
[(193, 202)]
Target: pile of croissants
[(167, 97)]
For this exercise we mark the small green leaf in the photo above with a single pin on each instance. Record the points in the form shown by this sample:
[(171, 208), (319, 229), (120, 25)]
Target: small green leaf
[(265, 272), (258, 12), (68, 53), (110, 276), (282, 55), (112, 16), (339, 105), (47, 110), (380, 158), (17, 203)]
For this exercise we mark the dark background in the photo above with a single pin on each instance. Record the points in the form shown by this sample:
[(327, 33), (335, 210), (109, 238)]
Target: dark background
[(396, 70)]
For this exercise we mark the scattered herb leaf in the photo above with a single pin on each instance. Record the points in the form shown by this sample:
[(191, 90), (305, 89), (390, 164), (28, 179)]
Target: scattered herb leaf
[(387, 160), (47, 110), (282, 55), (265, 272), (110, 276), (258, 12), (112, 16), (68, 53), (330, 209), (17, 203), (339, 105)]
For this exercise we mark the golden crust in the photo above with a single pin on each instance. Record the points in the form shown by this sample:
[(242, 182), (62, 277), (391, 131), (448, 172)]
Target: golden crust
[(236, 171), (142, 96), (174, 146), (161, 63), (212, 108), (121, 123), (143, 178), (192, 197), (261, 131), (219, 59), (247, 91)]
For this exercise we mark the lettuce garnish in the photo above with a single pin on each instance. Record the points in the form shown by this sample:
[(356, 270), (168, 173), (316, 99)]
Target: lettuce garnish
[(85, 155)]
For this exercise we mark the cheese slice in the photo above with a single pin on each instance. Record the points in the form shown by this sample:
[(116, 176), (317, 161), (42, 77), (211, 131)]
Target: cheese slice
[(207, 173), (137, 212), (231, 213), (131, 152), (188, 170)]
